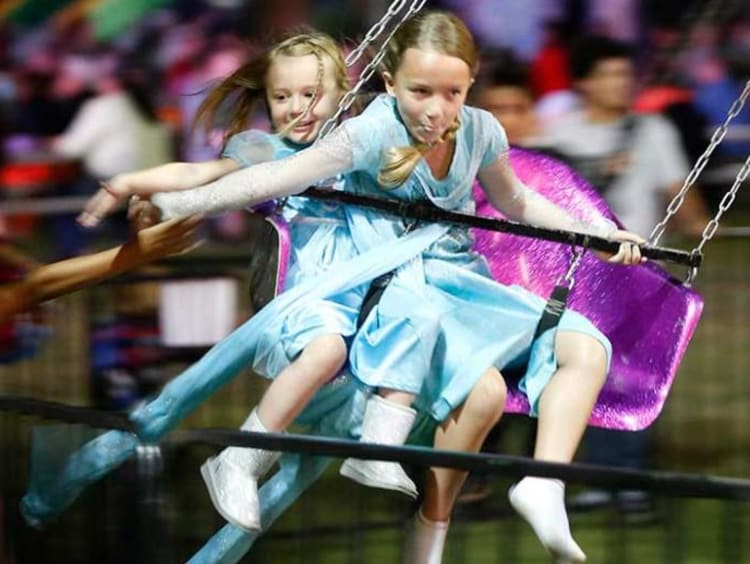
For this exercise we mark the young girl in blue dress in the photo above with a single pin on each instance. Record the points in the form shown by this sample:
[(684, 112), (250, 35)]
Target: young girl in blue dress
[(421, 142)]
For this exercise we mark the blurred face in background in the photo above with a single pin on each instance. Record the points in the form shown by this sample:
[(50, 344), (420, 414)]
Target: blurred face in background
[(513, 107), (610, 85)]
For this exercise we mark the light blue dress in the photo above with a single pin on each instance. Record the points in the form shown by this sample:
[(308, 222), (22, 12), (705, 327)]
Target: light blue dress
[(482, 323)]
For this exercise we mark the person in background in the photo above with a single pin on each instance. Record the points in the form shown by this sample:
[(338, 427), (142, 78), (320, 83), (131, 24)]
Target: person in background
[(113, 132), (636, 162), (505, 92)]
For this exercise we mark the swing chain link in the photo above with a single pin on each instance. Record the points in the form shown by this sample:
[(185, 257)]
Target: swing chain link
[(367, 72), (374, 32), (725, 204), (700, 164)]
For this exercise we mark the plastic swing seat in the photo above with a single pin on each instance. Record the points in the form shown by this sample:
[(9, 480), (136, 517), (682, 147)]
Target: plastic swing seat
[(648, 315)]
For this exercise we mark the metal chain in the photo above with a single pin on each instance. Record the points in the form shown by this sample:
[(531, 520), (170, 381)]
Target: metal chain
[(348, 99), (724, 205), (700, 164), (373, 33)]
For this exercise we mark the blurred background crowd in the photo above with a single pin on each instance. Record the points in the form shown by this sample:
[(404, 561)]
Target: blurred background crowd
[(92, 89)]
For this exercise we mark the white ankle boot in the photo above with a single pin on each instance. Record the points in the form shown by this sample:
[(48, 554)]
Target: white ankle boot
[(232, 479), (425, 540), (385, 423), (541, 501)]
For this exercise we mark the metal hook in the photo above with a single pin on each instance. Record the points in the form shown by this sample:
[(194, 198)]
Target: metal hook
[(568, 280)]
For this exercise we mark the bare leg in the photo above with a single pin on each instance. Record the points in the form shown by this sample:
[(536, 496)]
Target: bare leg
[(567, 401), (564, 409), (293, 388), (465, 431), (396, 396)]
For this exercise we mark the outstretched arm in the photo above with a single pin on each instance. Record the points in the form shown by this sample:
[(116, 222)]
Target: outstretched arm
[(52, 280), (247, 187), (170, 176), (514, 199)]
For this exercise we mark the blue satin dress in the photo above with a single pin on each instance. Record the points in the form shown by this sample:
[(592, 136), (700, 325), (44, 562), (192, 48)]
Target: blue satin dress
[(482, 323)]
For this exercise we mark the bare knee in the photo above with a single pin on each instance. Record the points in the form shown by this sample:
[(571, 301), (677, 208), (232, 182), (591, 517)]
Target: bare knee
[(487, 399), (326, 354), (582, 353)]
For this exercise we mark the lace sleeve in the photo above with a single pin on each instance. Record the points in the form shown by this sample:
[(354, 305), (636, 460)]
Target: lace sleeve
[(520, 203), (257, 184)]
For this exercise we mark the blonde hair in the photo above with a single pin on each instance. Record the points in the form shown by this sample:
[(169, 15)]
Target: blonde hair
[(248, 83), (437, 31)]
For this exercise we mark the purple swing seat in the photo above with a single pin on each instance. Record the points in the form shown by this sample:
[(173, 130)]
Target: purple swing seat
[(648, 315)]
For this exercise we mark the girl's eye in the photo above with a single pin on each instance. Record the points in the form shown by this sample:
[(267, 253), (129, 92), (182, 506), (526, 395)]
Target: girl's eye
[(309, 94), (279, 97)]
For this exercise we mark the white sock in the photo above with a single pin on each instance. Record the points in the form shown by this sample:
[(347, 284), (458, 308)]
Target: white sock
[(541, 501), (424, 541)]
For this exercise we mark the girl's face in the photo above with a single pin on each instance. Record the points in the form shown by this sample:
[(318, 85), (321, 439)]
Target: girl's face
[(430, 89), (290, 87)]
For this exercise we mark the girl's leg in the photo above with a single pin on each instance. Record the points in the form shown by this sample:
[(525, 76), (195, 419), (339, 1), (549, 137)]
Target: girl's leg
[(564, 410), (232, 476), (465, 430), (295, 386)]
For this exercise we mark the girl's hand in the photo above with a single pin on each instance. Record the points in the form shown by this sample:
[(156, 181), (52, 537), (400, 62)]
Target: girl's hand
[(629, 252), (106, 199)]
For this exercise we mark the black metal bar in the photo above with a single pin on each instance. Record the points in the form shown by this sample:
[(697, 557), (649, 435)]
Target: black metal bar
[(96, 418), (673, 483), (427, 212)]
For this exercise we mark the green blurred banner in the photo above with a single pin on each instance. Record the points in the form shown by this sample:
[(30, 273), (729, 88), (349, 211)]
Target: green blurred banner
[(111, 17)]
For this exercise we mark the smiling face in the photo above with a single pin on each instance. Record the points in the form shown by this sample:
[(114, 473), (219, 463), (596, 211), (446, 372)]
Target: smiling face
[(430, 89), (291, 85)]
